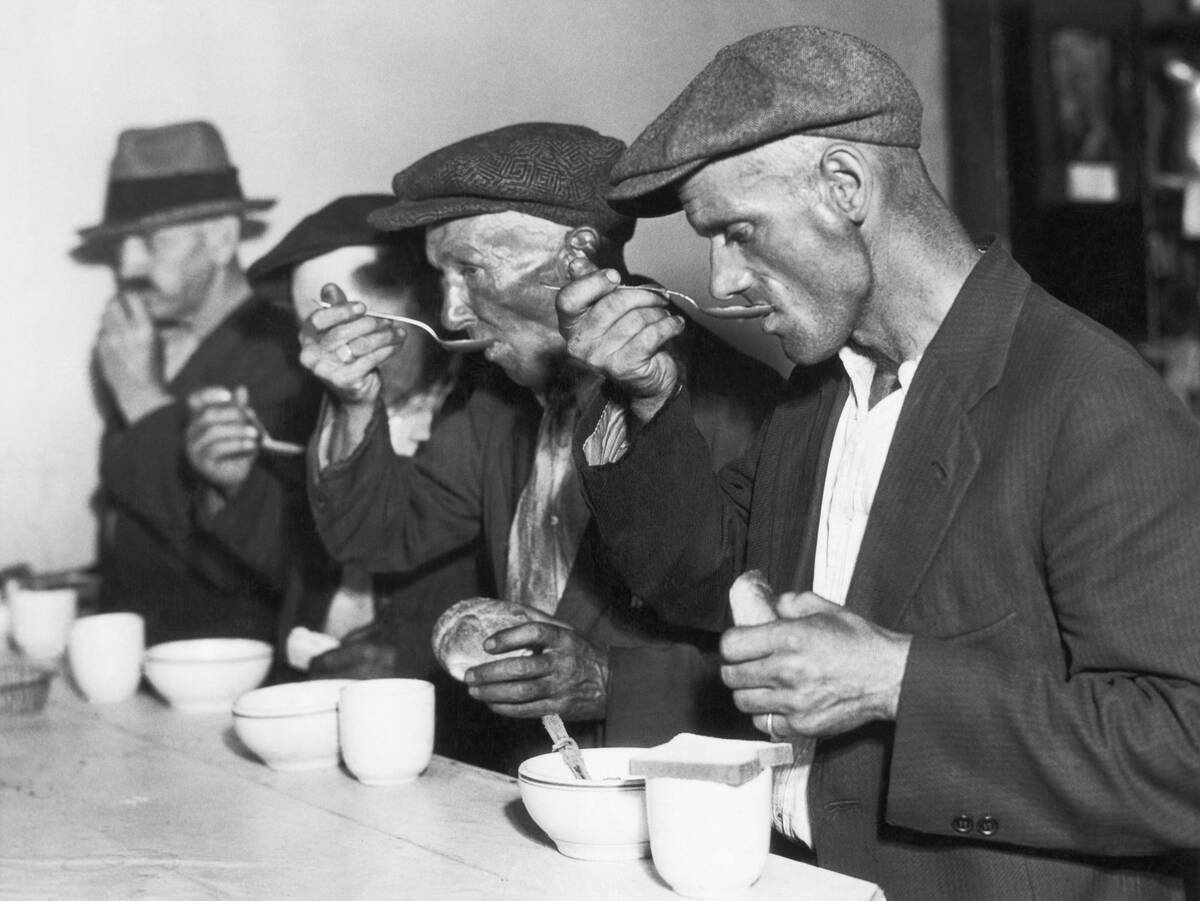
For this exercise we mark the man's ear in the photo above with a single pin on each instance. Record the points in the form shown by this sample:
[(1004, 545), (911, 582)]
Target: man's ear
[(848, 179), (222, 236), (582, 241)]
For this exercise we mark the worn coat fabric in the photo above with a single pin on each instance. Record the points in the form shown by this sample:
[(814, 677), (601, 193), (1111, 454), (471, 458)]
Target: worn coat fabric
[(192, 575), (390, 514), (1037, 529)]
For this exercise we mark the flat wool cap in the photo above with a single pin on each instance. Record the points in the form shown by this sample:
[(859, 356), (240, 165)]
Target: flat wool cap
[(779, 82), (545, 169)]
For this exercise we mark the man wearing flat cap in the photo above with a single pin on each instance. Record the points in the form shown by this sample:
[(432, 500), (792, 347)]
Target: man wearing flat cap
[(193, 368), (981, 509), (502, 215)]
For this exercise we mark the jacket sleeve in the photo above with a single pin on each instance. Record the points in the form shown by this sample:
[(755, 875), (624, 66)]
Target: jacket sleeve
[(675, 530), (657, 691), (268, 521), (392, 514), (1094, 745)]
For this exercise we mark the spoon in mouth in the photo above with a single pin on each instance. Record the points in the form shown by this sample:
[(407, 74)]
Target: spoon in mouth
[(462, 345), (744, 311)]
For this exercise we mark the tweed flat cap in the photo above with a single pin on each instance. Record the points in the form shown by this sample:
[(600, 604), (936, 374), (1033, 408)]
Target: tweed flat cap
[(779, 82), (340, 223), (545, 169)]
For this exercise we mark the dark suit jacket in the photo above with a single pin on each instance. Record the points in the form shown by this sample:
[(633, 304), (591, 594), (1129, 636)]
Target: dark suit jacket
[(188, 573), (1037, 529)]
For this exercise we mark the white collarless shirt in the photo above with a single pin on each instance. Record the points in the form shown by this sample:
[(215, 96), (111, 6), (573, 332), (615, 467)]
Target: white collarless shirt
[(860, 447)]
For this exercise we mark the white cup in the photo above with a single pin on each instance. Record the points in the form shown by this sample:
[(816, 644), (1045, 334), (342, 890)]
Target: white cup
[(385, 727), (708, 838), (41, 620), (105, 652)]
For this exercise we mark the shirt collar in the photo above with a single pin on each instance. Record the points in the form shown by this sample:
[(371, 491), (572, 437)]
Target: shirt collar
[(861, 369)]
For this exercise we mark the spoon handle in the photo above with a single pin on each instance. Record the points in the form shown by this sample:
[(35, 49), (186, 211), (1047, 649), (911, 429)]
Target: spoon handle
[(564, 744)]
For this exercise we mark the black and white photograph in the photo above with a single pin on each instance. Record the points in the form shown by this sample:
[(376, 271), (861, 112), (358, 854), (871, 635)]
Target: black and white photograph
[(535, 449)]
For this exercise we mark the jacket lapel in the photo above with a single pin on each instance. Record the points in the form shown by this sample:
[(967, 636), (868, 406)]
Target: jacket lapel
[(934, 454), (933, 458)]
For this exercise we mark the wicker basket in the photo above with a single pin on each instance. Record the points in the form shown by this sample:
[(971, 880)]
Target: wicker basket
[(24, 687)]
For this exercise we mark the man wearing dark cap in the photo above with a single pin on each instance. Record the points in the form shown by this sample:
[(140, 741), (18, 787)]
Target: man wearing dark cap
[(982, 509), (503, 213), (188, 357)]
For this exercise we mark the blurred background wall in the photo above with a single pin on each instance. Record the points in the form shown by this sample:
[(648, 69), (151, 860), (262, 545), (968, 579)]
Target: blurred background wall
[(315, 98)]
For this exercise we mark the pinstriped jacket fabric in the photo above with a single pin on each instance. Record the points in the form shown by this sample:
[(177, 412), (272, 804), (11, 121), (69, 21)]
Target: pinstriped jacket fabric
[(1037, 529)]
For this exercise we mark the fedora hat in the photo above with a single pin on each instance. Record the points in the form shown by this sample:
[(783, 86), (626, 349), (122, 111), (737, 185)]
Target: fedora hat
[(166, 176)]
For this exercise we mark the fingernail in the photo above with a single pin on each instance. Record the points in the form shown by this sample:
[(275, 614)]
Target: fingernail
[(613, 276), (489, 644)]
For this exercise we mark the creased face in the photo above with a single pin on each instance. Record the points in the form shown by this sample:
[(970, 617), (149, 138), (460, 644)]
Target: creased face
[(493, 269), (172, 268), (776, 237)]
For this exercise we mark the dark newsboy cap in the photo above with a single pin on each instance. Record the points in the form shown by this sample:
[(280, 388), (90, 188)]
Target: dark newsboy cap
[(340, 223), (779, 82), (545, 169)]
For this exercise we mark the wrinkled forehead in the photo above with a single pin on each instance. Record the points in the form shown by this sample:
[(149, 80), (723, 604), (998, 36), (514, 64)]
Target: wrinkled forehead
[(494, 234)]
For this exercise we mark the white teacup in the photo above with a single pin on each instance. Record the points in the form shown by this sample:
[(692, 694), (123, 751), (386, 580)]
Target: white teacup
[(105, 652), (385, 727), (41, 619), (709, 838)]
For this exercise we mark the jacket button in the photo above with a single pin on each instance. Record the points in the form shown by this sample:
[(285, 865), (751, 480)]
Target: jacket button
[(988, 825), (962, 823)]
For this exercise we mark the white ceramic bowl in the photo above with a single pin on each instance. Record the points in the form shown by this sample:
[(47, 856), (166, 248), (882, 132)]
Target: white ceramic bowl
[(603, 818), (292, 727), (204, 675)]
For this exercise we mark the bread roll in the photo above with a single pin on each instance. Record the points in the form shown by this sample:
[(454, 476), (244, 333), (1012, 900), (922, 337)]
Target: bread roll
[(459, 633), (751, 599)]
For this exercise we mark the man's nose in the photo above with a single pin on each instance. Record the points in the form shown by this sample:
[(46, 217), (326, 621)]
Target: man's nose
[(133, 257), (456, 310), (728, 275)]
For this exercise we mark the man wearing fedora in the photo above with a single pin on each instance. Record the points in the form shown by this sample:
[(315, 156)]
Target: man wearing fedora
[(502, 213), (195, 372), (982, 510)]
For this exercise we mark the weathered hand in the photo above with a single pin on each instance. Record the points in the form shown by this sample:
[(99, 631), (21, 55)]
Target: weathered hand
[(820, 669), (219, 441), (343, 348), (567, 674), (621, 335), (130, 356)]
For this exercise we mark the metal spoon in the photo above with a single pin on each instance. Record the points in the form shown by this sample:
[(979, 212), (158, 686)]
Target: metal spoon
[(266, 442), (462, 345), (745, 311)]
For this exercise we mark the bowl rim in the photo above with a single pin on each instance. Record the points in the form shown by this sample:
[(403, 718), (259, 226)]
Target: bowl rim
[(254, 649), (335, 685), (570, 783)]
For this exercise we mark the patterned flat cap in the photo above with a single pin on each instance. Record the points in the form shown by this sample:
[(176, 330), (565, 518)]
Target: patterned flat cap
[(544, 169), (783, 81)]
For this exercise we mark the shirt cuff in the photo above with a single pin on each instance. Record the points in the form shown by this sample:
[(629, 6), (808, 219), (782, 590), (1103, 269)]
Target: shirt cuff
[(609, 440)]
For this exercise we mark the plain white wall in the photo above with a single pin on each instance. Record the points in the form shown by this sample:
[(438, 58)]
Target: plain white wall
[(315, 98)]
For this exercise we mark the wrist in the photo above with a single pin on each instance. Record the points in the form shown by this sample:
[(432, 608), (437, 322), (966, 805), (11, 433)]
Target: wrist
[(894, 662), (644, 409)]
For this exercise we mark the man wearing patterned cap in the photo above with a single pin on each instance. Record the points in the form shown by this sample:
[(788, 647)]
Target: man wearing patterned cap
[(185, 352), (982, 509), (503, 214)]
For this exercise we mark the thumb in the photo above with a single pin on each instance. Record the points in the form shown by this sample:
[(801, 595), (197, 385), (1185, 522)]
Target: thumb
[(794, 605), (579, 266)]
